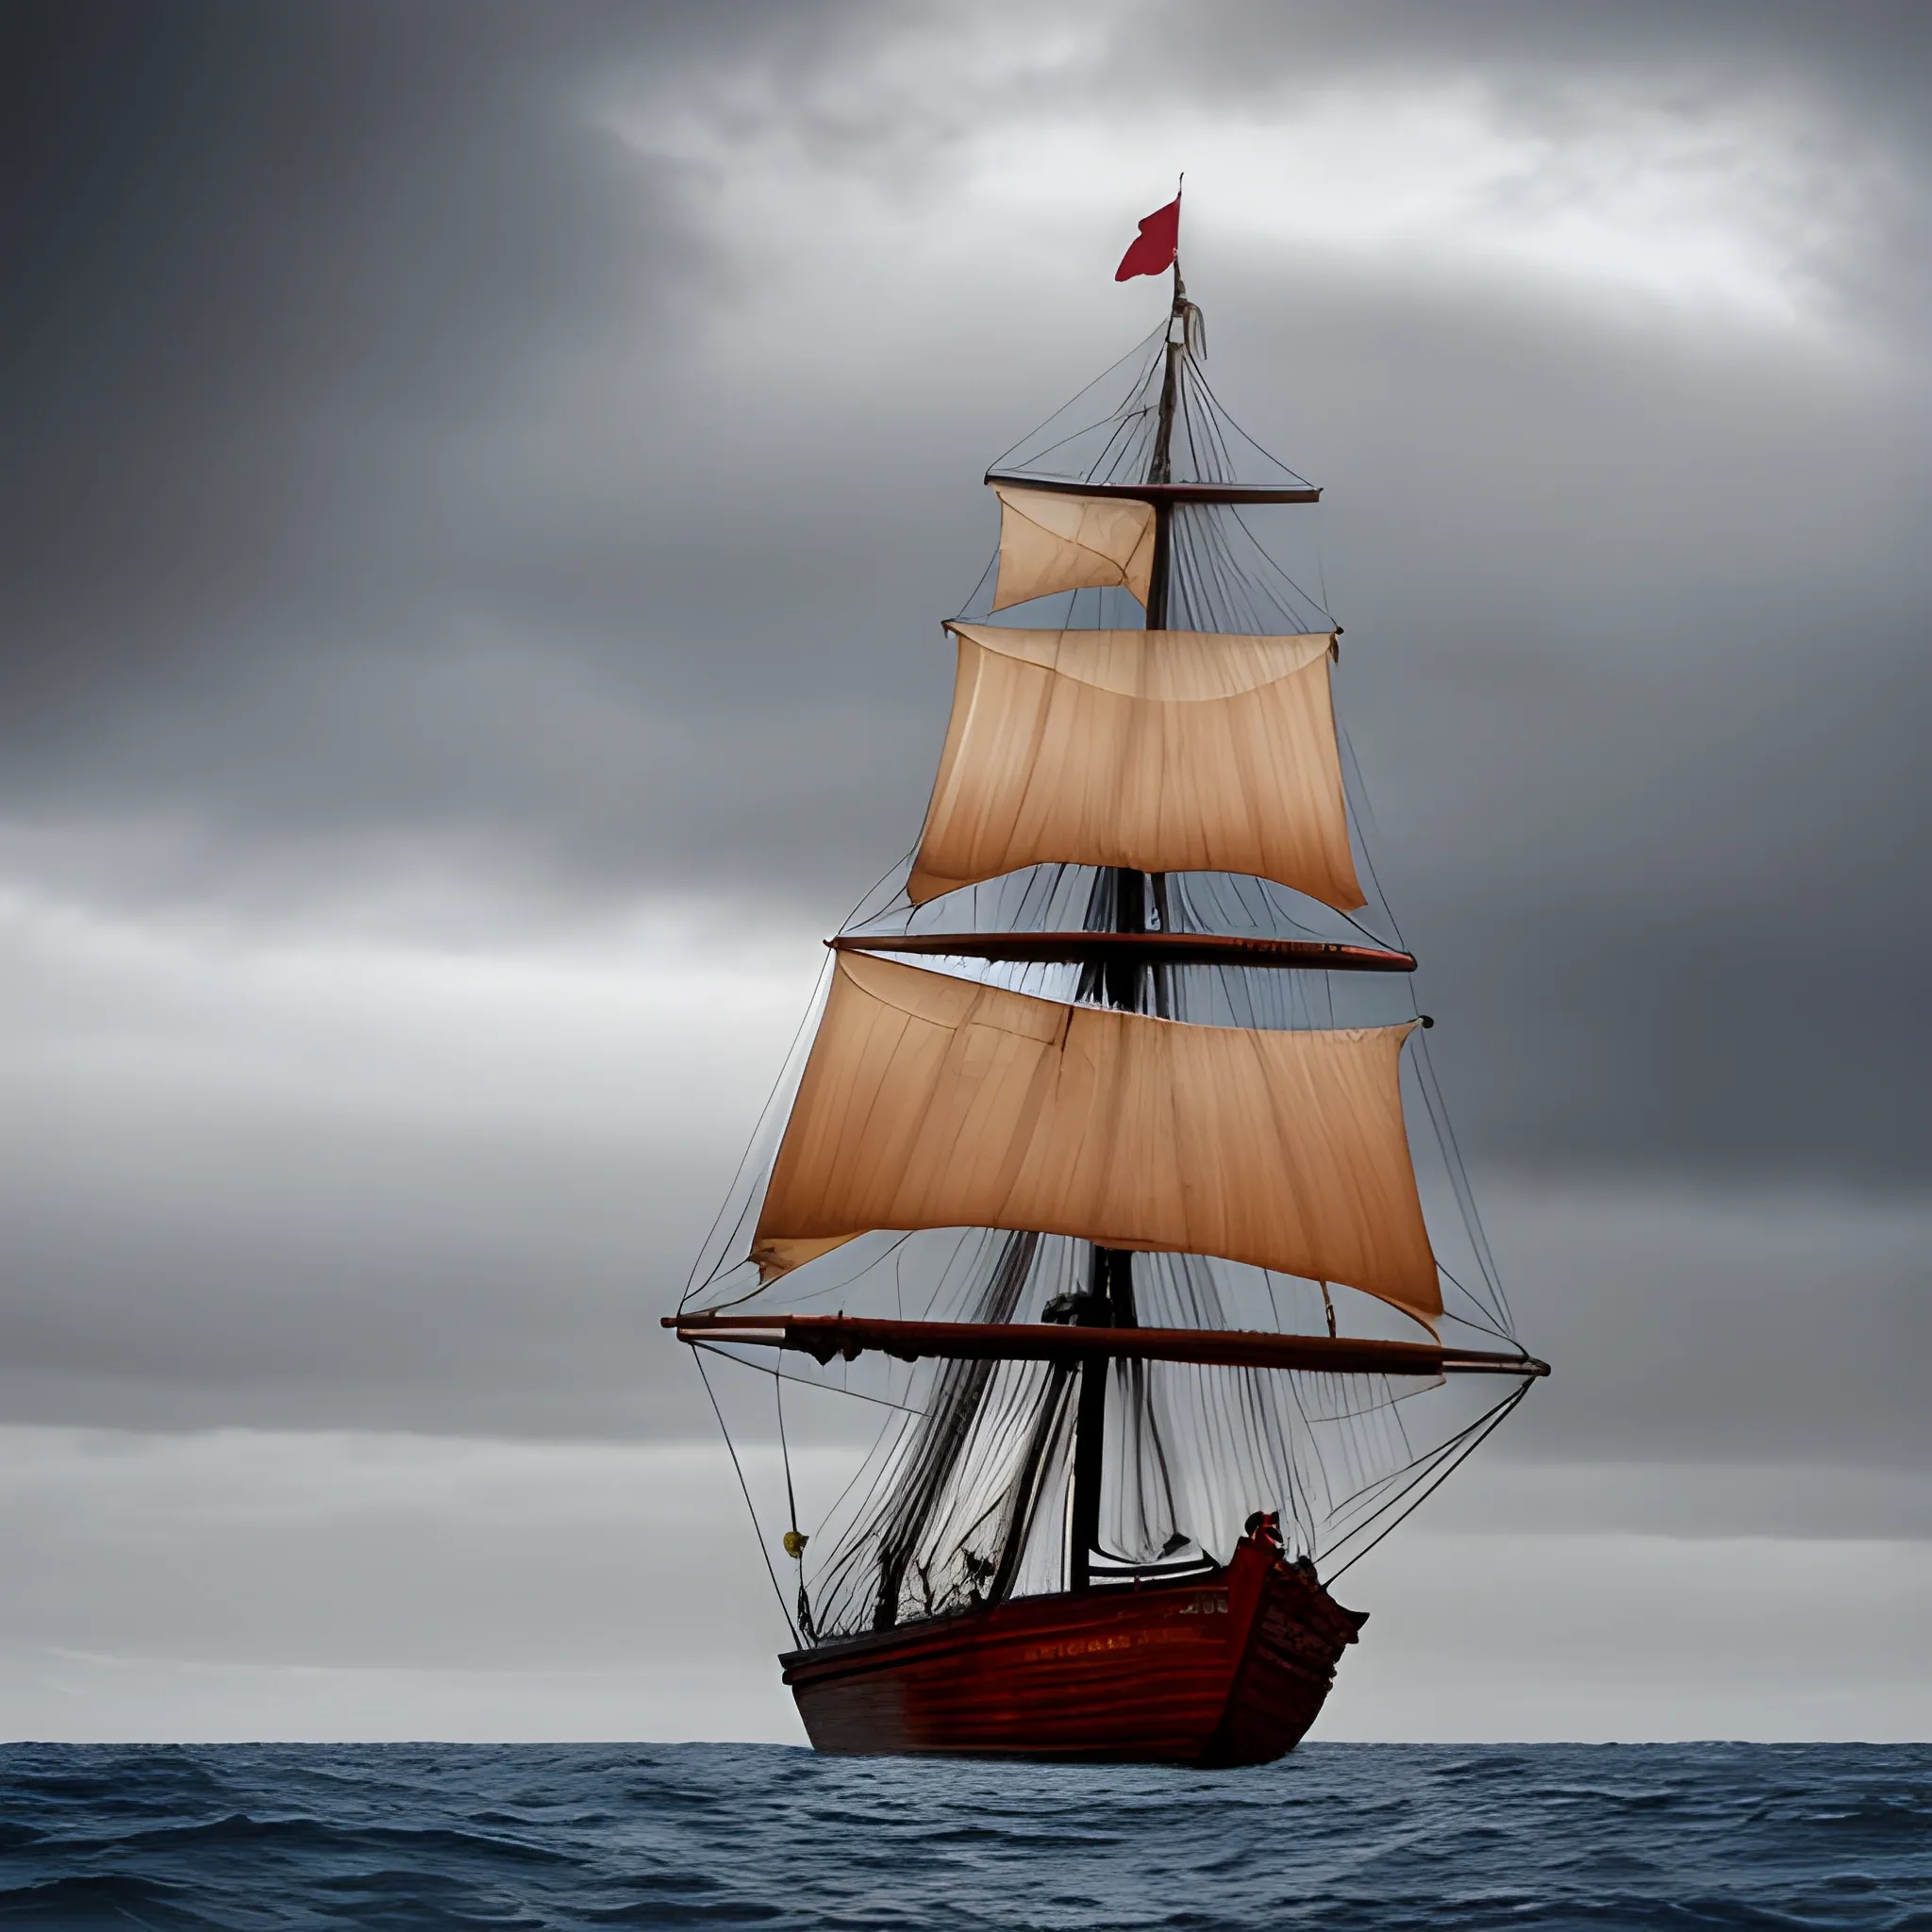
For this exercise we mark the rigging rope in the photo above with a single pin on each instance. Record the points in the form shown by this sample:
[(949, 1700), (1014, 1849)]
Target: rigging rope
[(795, 1539), (1470, 1439), (745, 1489)]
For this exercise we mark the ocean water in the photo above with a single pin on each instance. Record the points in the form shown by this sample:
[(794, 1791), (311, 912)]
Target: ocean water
[(1339, 1836)]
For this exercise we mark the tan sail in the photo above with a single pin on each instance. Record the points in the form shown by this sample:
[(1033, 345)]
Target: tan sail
[(934, 1102), (1159, 750), (1051, 540)]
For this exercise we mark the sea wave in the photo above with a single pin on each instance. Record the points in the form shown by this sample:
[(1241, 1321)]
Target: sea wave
[(1348, 1838)]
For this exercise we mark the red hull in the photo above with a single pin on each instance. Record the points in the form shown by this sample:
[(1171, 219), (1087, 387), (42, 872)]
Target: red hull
[(1230, 1668)]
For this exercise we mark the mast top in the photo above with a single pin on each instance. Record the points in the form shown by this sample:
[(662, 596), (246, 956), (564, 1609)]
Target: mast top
[(1167, 439)]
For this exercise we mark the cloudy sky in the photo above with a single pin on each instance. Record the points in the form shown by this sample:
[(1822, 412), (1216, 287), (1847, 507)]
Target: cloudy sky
[(481, 484)]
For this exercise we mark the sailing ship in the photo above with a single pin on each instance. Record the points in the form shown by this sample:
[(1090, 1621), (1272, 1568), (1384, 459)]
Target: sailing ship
[(1112, 1087)]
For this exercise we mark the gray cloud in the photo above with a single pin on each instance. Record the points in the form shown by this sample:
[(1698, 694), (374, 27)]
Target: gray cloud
[(417, 502)]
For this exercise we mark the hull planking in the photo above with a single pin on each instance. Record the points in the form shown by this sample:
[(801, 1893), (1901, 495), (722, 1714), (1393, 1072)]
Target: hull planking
[(1227, 1669)]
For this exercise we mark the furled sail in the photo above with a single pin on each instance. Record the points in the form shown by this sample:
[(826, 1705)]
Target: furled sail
[(1054, 541), (934, 1102), (1159, 750)]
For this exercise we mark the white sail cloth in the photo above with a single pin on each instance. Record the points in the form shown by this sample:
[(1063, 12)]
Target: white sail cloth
[(1051, 540), (934, 1102), (1160, 751)]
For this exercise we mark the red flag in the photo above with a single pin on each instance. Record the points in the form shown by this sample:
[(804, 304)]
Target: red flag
[(1153, 250)]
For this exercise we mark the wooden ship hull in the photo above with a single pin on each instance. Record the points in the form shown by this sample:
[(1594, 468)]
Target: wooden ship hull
[(1224, 1669)]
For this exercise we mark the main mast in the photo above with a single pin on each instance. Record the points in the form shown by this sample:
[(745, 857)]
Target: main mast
[(1121, 906)]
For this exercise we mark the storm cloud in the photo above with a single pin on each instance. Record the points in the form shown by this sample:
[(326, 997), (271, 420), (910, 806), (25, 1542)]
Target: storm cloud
[(482, 486)]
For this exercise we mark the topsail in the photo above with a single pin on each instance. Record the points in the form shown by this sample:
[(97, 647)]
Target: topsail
[(1155, 751), (1051, 542)]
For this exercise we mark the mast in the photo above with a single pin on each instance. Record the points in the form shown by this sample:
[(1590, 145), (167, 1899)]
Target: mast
[(1110, 1298), (1161, 465)]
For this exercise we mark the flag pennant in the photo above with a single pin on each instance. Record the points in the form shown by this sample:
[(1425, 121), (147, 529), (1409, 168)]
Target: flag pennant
[(1153, 250)]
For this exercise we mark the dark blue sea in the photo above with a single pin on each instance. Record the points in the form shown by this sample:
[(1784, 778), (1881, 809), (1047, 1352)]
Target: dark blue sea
[(1340, 1836)]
